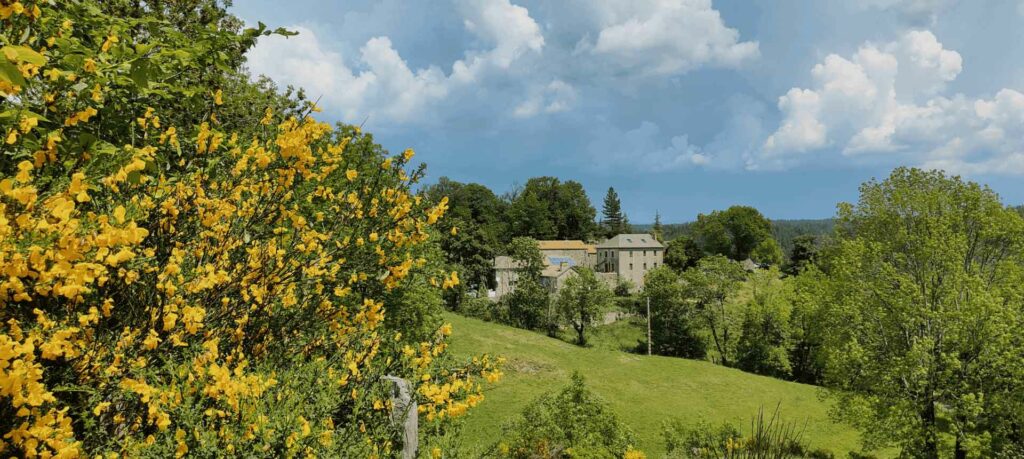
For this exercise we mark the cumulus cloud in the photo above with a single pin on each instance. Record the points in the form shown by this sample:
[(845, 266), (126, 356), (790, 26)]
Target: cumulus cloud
[(644, 149), (380, 82), (557, 96), (891, 99), (665, 37)]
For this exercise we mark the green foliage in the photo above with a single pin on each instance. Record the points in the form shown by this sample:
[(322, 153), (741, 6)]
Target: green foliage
[(808, 326), (682, 253), (769, 438), (547, 208), (529, 216), (767, 252), (613, 220), (925, 316), (786, 231), (624, 287), (805, 250), (735, 232), (528, 306), (676, 327), (657, 230), (581, 301), (763, 346), (525, 251), (573, 422), (708, 286)]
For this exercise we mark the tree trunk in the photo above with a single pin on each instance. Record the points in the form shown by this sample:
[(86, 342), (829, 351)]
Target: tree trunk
[(959, 452), (930, 444)]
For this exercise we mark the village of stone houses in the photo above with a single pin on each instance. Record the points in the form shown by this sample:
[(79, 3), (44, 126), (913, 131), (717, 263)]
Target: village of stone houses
[(512, 229)]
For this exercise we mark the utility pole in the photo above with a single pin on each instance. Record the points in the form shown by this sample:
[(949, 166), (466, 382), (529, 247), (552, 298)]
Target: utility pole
[(648, 325)]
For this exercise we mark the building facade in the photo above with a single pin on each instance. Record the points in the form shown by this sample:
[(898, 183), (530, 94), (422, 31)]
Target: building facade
[(626, 257), (582, 253), (630, 256)]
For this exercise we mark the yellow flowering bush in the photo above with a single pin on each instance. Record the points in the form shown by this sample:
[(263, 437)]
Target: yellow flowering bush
[(183, 274)]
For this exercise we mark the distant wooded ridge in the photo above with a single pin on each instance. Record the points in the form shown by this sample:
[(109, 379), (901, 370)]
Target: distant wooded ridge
[(783, 230)]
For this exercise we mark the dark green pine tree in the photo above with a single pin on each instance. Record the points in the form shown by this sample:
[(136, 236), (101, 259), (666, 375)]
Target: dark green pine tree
[(613, 221), (657, 230)]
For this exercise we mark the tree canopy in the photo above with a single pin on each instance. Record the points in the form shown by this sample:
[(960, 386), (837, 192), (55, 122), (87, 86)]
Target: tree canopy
[(925, 316), (735, 233)]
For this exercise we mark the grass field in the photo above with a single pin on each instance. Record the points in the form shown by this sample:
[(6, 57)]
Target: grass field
[(643, 390)]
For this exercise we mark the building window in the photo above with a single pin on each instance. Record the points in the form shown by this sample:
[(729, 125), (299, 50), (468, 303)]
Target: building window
[(631, 266), (645, 253), (630, 254), (645, 265)]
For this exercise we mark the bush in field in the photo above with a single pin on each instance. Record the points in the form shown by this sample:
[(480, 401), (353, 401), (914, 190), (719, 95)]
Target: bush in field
[(769, 438), (570, 423), (192, 264)]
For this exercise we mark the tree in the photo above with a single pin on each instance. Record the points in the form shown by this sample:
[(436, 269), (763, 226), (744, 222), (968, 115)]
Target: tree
[(805, 249), (657, 231), (735, 232), (471, 234), (676, 328), (808, 326), (573, 213), (763, 347), (530, 216), (767, 252), (547, 208), (581, 301), (526, 251), (528, 304), (682, 253), (613, 220), (573, 422), (925, 311), (709, 286)]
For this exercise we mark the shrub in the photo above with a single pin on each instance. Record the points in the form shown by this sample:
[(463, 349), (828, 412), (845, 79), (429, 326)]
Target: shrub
[(183, 273), (570, 423), (769, 438), (624, 288)]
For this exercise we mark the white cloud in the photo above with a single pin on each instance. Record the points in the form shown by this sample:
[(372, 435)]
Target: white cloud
[(890, 99), (643, 149), (664, 37), (384, 86), (911, 9), (557, 96)]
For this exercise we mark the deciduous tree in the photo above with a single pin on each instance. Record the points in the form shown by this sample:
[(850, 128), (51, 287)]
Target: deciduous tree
[(709, 286), (924, 336), (581, 301)]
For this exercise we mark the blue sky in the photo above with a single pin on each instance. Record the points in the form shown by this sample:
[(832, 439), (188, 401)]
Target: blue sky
[(684, 106)]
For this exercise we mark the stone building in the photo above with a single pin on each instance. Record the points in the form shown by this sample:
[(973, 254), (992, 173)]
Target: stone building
[(630, 256), (623, 257), (582, 253)]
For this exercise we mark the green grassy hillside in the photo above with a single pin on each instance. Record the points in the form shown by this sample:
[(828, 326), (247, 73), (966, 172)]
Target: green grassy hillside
[(643, 390)]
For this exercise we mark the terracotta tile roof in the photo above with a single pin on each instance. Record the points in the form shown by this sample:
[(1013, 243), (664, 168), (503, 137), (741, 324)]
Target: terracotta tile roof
[(562, 245)]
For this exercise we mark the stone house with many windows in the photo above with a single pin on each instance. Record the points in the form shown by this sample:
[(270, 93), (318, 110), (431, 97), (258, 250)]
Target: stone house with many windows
[(626, 257), (630, 256)]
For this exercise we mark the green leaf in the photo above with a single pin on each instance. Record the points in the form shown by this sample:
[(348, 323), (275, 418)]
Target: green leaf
[(11, 74), (23, 54), (140, 72), (134, 177), (285, 32), (103, 148)]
